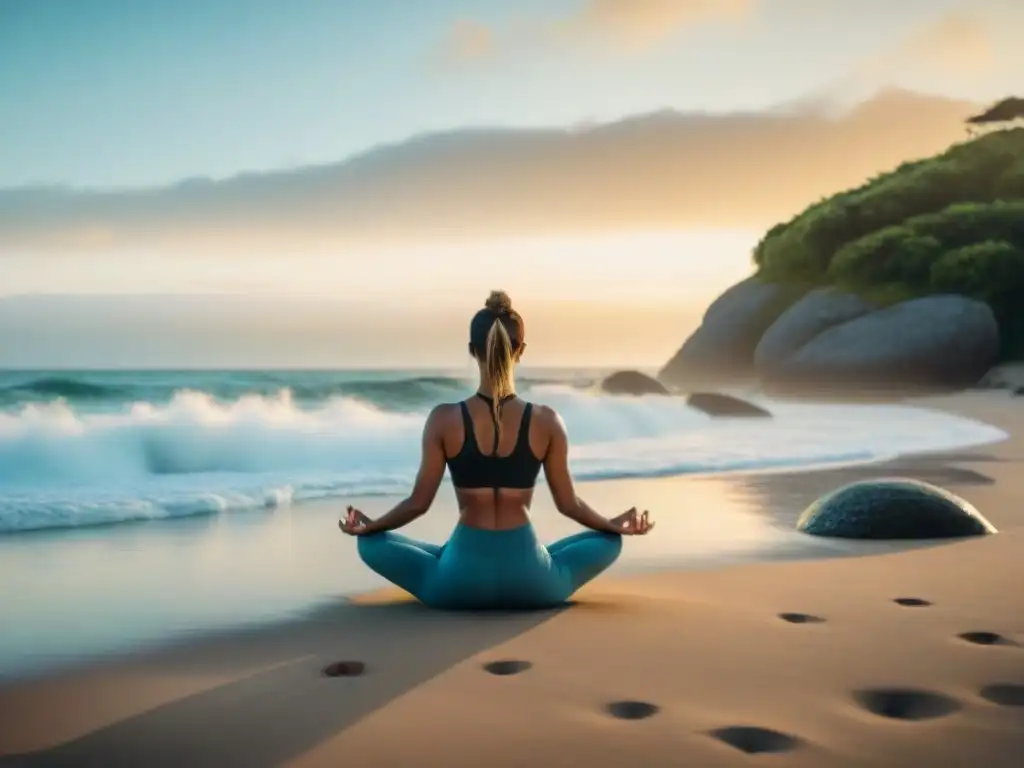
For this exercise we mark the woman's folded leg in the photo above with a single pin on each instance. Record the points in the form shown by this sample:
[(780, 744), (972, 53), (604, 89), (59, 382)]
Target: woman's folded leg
[(405, 562), (583, 556), (414, 566), (561, 544)]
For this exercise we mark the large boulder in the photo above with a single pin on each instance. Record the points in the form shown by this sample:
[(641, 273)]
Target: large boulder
[(937, 341), (722, 348), (716, 404), (892, 509), (633, 383), (817, 311)]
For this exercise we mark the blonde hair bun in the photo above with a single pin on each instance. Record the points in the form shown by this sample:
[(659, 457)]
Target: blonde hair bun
[(499, 303)]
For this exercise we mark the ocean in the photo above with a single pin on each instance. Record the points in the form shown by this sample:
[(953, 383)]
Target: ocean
[(137, 507), (89, 448)]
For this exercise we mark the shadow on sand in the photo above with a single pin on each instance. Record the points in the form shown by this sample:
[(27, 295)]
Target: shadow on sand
[(276, 714), (785, 496)]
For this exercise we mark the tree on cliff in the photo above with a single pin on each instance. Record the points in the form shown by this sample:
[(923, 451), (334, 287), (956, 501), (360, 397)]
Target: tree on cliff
[(953, 223), (1004, 114)]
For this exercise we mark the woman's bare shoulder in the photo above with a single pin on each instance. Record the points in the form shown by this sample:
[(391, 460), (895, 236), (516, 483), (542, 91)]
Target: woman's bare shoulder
[(547, 417), (446, 411), (443, 416)]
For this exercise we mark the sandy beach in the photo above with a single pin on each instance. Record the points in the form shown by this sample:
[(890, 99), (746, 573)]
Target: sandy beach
[(279, 275), (889, 656)]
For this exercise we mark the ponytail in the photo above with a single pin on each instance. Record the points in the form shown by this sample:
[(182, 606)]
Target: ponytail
[(496, 338), (499, 364)]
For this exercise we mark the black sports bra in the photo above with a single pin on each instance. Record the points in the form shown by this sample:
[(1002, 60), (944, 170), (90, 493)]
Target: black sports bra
[(471, 468)]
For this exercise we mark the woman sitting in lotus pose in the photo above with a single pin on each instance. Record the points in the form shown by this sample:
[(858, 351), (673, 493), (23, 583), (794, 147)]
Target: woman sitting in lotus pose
[(493, 558)]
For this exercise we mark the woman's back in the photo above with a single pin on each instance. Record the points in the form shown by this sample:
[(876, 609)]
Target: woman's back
[(494, 472), (494, 451)]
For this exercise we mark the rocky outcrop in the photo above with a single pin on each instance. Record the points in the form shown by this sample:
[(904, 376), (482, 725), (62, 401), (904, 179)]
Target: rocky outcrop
[(937, 341), (817, 311), (633, 383), (722, 348), (715, 404), (892, 509)]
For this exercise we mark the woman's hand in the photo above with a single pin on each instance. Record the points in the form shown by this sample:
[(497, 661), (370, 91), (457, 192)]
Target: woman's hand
[(632, 523), (354, 523)]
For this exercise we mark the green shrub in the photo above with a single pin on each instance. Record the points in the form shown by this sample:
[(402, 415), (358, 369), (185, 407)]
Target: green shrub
[(887, 294), (967, 223), (987, 270), (992, 271), (1010, 185), (948, 224), (969, 172), (890, 255)]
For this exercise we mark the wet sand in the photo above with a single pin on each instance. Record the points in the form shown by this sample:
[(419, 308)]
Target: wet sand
[(889, 656)]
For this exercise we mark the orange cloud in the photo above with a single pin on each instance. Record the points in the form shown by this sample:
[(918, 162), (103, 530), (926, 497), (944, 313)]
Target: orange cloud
[(468, 41), (957, 43), (954, 45), (640, 23), (628, 24)]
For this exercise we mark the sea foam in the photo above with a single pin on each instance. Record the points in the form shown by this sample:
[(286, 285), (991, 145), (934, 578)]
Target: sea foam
[(62, 466)]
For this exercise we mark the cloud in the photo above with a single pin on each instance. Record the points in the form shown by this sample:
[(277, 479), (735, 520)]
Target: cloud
[(663, 170), (957, 44), (468, 41), (642, 23), (629, 25)]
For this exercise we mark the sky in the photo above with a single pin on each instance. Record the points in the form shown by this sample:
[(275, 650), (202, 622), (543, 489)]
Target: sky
[(114, 95), (619, 300), (110, 93)]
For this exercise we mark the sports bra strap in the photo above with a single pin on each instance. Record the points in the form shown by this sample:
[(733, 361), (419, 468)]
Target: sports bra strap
[(494, 417), (523, 439), (467, 426), (471, 468)]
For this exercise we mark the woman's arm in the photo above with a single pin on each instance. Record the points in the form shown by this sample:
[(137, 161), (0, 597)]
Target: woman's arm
[(428, 479), (556, 470)]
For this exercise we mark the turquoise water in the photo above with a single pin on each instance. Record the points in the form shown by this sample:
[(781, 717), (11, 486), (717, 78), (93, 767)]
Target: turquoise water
[(98, 391), (86, 448)]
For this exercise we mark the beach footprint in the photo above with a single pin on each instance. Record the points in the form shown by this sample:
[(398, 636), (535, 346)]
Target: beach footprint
[(754, 740), (506, 667), (801, 618), (906, 703), (1003, 694), (344, 669), (632, 710), (912, 602), (985, 638)]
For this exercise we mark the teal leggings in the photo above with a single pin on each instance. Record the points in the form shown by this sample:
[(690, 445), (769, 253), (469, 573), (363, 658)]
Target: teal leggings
[(479, 569)]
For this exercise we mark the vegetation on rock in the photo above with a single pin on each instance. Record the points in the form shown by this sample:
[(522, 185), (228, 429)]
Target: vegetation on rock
[(1004, 112), (953, 223)]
